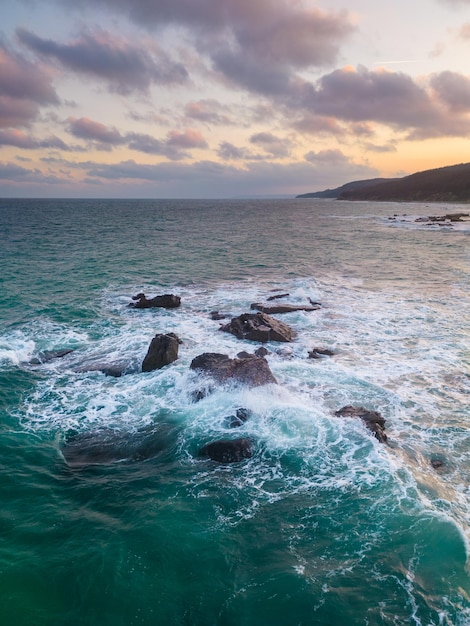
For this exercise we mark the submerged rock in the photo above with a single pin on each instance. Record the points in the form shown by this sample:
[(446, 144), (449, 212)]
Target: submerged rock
[(115, 370), (165, 301), (163, 350), (106, 446), (48, 355), (272, 309), (228, 450), (252, 370), (216, 315), (259, 327), (372, 419)]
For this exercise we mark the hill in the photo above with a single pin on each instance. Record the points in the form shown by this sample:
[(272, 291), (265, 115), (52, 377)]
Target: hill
[(444, 184), (335, 193)]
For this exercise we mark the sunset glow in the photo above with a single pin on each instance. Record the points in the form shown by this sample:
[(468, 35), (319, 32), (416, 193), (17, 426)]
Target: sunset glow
[(160, 98)]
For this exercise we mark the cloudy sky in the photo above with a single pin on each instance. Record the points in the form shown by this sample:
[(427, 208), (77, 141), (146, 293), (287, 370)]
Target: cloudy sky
[(226, 98)]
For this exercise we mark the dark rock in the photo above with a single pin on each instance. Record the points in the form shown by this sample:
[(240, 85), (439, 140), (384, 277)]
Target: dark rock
[(318, 353), (108, 369), (227, 450), (372, 419), (245, 355), (215, 315), (200, 394), (237, 420), (259, 352), (252, 371), (262, 351), (258, 327), (162, 351), (277, 297), (283, 308), (49, 355), (106, 446), (165, 301)]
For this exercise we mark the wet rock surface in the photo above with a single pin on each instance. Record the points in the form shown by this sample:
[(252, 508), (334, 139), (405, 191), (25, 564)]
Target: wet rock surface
[(252, 370), (163, 350), (165, 301), (372, 419), (228, 450), (259, 327)]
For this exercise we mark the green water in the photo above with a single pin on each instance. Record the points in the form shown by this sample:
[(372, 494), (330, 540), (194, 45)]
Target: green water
[(324, 525)]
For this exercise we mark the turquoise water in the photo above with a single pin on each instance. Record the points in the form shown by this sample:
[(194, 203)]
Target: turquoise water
[(323, 525)]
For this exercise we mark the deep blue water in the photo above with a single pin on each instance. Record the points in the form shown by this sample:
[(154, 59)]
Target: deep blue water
[(324, 525)]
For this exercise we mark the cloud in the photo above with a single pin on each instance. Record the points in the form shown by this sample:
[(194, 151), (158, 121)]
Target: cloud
[(175, 146), (24, 88), (260, 45), (12, 173), (326, 158), (125, 66), (384, 97), (313, 124), (209, 111), (89, 130), (19, 139), (212, 179), (229, 152), (271, 144), (464, 32), (453, 89), (186, 140)]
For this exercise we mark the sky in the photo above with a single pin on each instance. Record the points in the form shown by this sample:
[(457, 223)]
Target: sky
[(228, 98)]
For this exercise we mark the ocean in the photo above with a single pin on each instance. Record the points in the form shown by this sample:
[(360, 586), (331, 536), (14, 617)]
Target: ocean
[(323, 525)]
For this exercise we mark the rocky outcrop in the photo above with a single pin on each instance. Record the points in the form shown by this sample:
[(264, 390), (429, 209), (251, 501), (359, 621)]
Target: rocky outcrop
[(444, 219), (272, 309), (165, 301), (241, 416), (227, 450), (372, 419), (253, 371), (277, 296), (162, 351), (258, 327), (49, 355), (319, 353)]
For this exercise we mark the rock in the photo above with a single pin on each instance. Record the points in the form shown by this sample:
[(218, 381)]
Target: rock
[(227, 450), (245, 355), (258, 327), (216, 315), (442, 219), (162, 351), (237, 420), (262, 351), (372, 419), (318, 353), (253, 370), (49, 355), (108, 369), (165, 301), (277, 297), (106, 446), (284, 308)]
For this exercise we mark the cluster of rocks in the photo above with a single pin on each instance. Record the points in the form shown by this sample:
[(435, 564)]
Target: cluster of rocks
[(246, 368), (435, 220)]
